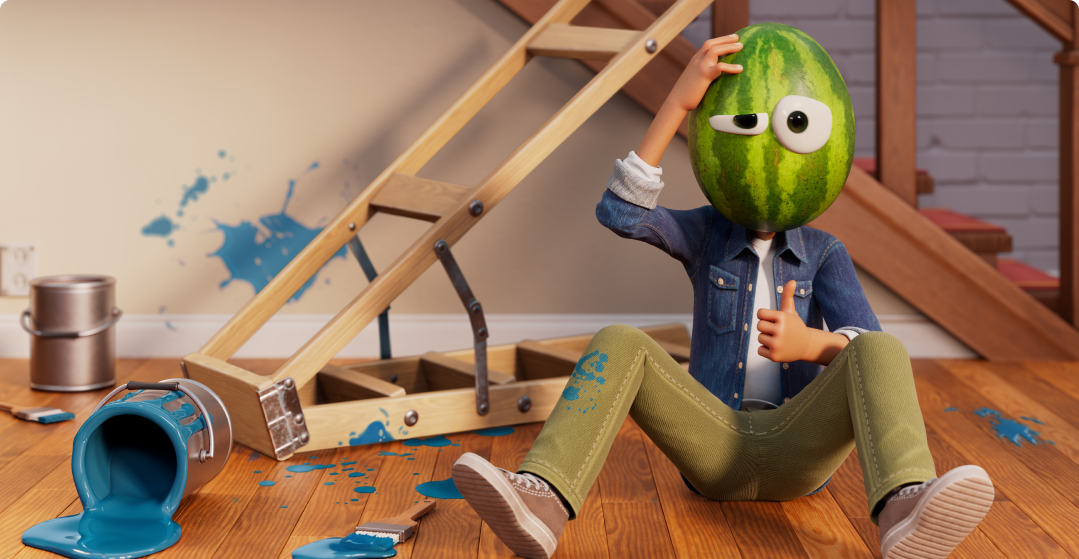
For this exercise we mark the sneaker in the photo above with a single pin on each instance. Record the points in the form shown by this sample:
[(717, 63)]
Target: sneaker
[(521, 509), (928, 520)]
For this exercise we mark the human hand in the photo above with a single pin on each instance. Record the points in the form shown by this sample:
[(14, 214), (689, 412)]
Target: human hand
[(702, 69), (783, 335)]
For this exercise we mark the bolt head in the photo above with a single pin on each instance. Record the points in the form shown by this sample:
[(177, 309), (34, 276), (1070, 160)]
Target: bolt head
[(524, 404), (484, 407), (289, 383), (304, 437), (298, 418), (351, 226), (411, 418), (650, 45), (475, 208)]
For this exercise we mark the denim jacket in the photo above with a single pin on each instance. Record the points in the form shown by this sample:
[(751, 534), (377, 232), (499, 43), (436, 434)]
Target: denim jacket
[(718, 255)]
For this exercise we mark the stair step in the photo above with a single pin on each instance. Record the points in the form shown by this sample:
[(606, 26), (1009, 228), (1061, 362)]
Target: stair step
[(923, 180), (985, 239), (1040, 285), (590, 43)]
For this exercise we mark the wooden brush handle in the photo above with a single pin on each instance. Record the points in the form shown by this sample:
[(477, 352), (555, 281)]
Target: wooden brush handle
[(409, 516)]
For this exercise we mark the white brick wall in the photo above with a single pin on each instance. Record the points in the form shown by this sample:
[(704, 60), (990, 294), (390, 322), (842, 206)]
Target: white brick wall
[(987, 104)]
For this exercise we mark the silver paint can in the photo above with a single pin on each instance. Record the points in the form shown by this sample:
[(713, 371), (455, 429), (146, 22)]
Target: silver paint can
[(73, 342)]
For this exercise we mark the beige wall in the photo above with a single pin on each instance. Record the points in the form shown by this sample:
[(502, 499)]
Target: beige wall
[(109, 108)]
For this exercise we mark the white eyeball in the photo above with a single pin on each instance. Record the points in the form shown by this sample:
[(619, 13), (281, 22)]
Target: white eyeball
[(801, 124), (743, 125)]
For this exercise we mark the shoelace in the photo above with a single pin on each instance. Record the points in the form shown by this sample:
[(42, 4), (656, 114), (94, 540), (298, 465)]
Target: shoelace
[(528, 480), (912, 488)]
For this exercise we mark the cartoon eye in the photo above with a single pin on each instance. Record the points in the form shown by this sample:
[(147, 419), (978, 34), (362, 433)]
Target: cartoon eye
[(801, 124), (743, 125)]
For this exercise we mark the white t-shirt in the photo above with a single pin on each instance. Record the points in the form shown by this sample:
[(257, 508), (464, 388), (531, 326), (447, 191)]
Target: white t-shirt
[(762, 386)]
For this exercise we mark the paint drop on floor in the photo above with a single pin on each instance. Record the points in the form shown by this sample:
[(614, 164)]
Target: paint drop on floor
[(444, 489), (328, 483), (267, 483), (394, 454), (365, 489), (494, 431), (951, 409), (284, 506), (1009, 428), (309, 467), (356, 474), (258, 471), (1034, 419), (439, 440)]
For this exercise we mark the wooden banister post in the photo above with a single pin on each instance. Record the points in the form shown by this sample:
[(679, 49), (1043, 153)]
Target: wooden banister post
[(729, 16), (897, 117), (1068, 59)]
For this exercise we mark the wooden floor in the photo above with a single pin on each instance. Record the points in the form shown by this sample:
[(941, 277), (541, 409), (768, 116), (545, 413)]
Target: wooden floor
[(638, 508)]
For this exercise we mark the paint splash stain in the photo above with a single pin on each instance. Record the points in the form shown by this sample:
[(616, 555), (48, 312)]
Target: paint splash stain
[(1009, 428), (267, 483), (951, 409), (160, 227), (439, 440), (584, 374), (1034, 419), (364, 489), (494, 431), (443, 489), (394, 454), (375, 433), (309, 467)]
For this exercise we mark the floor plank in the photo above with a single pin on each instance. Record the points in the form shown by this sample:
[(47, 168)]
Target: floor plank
[(822, 528), (762, 530), (696, 524), (1017, 536), (453, 528)]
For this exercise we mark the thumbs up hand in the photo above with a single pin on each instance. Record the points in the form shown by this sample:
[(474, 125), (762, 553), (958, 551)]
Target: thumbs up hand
[(783, 335), (785, 338)]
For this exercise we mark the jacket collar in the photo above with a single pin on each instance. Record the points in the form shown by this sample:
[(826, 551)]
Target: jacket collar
[(742, 239)]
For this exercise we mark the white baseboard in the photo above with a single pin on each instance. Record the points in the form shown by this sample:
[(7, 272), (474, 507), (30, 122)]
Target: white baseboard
[(174, 335)]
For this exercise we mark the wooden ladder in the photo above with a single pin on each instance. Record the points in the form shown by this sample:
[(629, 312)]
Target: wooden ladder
[(275, 415)]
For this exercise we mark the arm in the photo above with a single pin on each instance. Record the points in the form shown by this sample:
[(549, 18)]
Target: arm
[(688, 91)]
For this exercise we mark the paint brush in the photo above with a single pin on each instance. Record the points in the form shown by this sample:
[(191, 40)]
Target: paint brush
[(398, 528), (40, 415)]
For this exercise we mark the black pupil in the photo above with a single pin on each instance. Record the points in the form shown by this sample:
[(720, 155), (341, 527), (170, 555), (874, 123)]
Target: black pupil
[(747, 122), (798, 122)]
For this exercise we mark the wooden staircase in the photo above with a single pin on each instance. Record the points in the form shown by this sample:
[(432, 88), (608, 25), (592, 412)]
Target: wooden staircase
[(943, 263)]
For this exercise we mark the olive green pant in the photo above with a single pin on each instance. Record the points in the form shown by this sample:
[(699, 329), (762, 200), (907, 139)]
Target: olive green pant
[(864, 398)]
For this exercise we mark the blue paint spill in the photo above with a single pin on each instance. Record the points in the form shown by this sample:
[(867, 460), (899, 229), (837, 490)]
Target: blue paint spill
[(394, 454), (267, 483), (365, 489), (353, 546), (1035, 420), (284, 506), (357, 474), (160, 227), (951, 409), (309, 467), (192, 193), (1009, 428), (328, 483), (129, 481), (494, 431), (439, 440), (375, 433), (444, 489), (584, 373), (258, 471), (349, 463)]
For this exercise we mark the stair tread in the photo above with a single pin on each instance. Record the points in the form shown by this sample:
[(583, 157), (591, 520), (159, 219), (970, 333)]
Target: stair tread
[(1025, 276), (953, 221), (869, 165)]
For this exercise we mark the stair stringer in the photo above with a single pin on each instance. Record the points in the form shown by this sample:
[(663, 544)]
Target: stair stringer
[(940, 277)]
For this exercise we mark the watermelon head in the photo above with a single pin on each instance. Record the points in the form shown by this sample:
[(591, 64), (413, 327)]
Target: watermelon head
[(771, 147)]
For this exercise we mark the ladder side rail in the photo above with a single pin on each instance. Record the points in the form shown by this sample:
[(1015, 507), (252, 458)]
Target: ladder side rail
[(267, 302), (303, 365)]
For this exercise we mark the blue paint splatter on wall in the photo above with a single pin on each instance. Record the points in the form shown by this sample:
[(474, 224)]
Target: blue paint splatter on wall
[(255, 257), (191, 193), (375, 433), (583, 375), (160, 227), (1009, 428)]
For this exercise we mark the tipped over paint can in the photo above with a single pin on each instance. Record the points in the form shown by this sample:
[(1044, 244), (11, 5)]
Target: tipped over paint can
[(132, 462), (73, 342)]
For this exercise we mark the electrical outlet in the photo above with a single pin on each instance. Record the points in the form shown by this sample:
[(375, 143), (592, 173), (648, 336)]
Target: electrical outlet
[(18, 265)]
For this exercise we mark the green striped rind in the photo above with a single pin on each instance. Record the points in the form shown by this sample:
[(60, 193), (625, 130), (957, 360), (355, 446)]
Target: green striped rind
[(754, 180)]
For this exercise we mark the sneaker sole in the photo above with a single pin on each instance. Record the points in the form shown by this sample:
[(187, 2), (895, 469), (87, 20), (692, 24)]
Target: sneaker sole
[(499, 505), (952, 508)]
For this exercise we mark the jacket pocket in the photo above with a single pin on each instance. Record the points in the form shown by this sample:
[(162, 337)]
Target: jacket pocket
[(722, 300), (803, 292)]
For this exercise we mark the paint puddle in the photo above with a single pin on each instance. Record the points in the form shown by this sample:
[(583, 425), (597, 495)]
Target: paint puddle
[(394, 454), (439, 440), (494, 431), (356, 474), (364, 489), (267, 483), (1011, 429), (353, 546), (309, 467), (444, 489)]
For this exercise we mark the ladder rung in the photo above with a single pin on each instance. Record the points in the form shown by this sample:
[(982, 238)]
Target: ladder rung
[(411, 196), (592, 43)]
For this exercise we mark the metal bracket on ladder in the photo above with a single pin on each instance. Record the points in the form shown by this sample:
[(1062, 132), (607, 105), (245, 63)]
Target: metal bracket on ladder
[(358, 251), (475, 315)]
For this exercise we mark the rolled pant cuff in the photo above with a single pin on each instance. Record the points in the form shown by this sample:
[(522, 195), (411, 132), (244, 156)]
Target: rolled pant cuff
[(913, 476), (556, 480)]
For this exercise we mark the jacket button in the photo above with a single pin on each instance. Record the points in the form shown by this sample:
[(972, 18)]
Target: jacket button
[(745, 327), (779, 289), (801, 291), (739, 364), (750, 287), (720, 281), (786, 365)]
